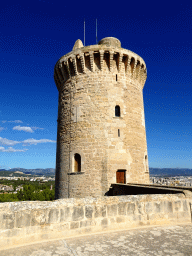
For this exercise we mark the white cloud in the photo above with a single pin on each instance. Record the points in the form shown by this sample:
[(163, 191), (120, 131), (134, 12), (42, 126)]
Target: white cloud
[(16, 121), (2, 128), (4, 141), (11, 150), (35, 142), (37, 128), (23, 128)]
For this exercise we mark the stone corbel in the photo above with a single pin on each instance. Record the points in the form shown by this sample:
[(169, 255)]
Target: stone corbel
[(110, 60), (62, 70), (58, 73), (75, 65), (120, 61), (135, 64), (138, 75), (82, 62), (101, 58), (67, 67), (91, 56), (128, 65)]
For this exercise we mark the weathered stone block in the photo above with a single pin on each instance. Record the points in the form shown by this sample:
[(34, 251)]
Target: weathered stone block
[(111, 210), (140, 208), (148, 207), (184, 215), (62, 215), (177, 206), (100, 211), (130, 209), (89, 212), (172, 215), (74, 225), (63, 226), (104, 222), (23, 219), (65, 214), (136, 217), (8, 220), (185, 206), (38, 217), (78, 213), (122, 208), (120, 219), (158, 207), (168, 207), (53, 216), (87, 223)]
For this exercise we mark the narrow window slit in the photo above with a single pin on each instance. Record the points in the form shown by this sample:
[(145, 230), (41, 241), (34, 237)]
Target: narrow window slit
[(117, 110), (118, 132)]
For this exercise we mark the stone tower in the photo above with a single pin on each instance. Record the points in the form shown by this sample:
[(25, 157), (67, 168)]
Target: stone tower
[(101, 137)]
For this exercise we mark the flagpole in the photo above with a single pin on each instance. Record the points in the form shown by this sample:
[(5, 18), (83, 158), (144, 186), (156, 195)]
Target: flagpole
[(84, 32), (96, 31)]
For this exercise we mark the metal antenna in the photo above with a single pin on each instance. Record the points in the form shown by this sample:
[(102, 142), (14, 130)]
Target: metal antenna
[(96, 31), (84, 32)]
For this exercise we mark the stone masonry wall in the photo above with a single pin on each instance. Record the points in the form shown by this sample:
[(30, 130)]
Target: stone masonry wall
[(29, 222), (91, 81)]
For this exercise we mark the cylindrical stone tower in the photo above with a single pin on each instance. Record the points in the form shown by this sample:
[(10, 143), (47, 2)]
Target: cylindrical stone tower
[(101, 137)]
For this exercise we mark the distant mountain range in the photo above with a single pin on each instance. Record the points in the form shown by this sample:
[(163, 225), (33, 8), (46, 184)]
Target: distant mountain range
[(27, 172), (165, 172)]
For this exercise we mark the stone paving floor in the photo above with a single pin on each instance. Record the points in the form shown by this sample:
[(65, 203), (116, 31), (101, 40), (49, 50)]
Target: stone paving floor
[(167, 240)]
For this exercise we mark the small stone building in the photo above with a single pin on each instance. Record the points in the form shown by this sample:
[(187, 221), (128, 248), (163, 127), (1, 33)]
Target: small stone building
[(101, 137)]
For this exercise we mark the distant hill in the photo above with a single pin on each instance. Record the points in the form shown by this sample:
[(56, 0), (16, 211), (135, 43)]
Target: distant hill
[(18, 172), (167, 172)]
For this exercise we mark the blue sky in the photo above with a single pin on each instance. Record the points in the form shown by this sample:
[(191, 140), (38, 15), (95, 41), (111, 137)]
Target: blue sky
[(35, 34)]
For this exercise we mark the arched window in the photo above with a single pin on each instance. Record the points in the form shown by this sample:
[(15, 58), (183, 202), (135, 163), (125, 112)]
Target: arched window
[(77, 163), (117, 110)]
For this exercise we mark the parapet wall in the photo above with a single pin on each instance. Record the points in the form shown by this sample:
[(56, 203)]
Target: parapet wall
[(29, 222), (94, 57)]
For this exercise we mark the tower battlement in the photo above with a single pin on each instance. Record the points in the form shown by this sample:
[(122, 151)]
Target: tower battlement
[(95, 58), (101, 136)]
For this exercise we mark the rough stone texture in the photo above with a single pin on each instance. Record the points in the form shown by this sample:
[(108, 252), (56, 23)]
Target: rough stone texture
[(91, 81), (78, 44), (26, 222)]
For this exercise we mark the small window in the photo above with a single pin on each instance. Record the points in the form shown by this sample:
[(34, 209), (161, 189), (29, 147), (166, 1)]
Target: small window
[(118, 132), (117, 110), (146, 164), (77, 163)]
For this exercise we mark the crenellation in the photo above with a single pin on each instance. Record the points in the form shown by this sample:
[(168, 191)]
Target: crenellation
[(71, 67)]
